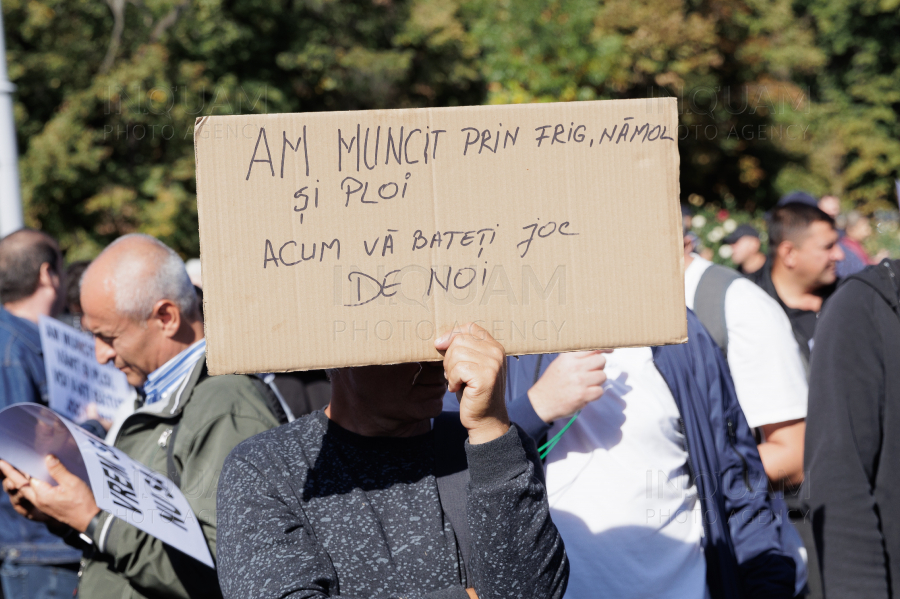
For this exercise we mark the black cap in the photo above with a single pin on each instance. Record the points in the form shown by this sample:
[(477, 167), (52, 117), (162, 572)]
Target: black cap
[(741, 231), (798, 197)]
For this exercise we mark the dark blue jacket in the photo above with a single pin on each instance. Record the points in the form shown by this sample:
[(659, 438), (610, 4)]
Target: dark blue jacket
[(745, 554), (22, 379)]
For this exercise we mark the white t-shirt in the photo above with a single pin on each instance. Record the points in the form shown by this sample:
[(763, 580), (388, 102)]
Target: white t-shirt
[(620, 491), (763, 355)]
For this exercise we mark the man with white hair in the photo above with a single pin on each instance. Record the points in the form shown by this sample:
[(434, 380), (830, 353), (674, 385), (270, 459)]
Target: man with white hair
[(142, 309)]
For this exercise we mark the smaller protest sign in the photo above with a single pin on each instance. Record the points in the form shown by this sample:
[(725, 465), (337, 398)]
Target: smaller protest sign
[(78, 386), (121, 486)]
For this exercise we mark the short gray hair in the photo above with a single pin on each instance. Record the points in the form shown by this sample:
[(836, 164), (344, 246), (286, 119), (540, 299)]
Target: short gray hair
[(140, 281)]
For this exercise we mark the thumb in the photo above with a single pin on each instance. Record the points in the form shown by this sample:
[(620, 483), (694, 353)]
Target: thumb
[(56, 469), (442, 343), (39, 486)]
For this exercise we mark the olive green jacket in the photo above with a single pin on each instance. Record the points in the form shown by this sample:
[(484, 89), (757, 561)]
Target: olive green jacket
[(213, 414)]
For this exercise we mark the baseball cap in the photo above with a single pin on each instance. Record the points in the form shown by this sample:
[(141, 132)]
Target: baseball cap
[(798, 197), (741, 231)]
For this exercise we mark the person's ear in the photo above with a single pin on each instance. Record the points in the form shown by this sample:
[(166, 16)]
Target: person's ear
[(787, 253), (47, 277), (167, 317)]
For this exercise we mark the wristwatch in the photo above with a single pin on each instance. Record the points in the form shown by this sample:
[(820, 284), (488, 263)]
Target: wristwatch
[(92, 525)]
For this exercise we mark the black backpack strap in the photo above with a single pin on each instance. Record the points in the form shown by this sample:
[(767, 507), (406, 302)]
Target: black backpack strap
[(451, 470), (709, 302), (171, 471)]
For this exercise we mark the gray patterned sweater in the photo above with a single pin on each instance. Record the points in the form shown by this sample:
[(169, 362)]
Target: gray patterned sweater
[(311, 510)]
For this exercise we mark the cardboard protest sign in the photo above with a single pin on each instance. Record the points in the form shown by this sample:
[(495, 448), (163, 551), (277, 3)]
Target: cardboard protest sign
[(75, 381), (123, 487), (349, 238)]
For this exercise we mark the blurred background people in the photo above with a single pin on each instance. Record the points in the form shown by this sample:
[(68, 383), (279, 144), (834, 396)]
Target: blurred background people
[(755, 336), (36, 563), (801, 271), (801, 274), (192, 266), (855, 256), (71, 313), (830, 205), (745, 245), (858, 228), (304, 392)]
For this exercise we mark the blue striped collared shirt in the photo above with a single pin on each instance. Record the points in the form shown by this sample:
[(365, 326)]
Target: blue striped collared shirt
[(166, 379)]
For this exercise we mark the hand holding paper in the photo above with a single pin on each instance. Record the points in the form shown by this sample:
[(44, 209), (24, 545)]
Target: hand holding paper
[(13, 483), (70, 502), (473, 362), (70, 479)]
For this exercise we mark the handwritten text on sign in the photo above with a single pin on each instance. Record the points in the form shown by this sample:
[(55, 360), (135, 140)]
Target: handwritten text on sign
[(316, 224)]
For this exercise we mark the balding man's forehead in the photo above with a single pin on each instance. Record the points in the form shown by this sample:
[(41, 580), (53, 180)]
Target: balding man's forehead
[(97, 273), (136, 253), (136, 244), (98, 303)]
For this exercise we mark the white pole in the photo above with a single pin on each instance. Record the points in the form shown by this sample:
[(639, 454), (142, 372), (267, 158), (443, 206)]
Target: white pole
[(10, 194)]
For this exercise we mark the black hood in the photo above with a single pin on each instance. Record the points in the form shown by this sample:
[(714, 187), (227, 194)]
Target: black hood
[(884, 278)]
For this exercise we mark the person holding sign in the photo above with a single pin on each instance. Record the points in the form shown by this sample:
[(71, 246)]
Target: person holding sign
[(35, 563), (368, 499), (142, 310)]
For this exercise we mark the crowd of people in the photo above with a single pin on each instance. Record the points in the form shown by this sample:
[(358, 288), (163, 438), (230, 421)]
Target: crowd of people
[(750, 462)]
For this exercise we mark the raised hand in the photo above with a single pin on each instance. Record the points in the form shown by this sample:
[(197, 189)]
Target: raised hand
[(474, 364)]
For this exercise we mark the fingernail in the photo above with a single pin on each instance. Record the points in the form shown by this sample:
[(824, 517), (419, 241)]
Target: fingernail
[(443, 337), (52, 460)]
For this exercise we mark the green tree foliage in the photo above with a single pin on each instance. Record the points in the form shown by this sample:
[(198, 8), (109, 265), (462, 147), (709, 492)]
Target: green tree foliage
[(732, 65), (773, 95), (108, 94), (858, 89)]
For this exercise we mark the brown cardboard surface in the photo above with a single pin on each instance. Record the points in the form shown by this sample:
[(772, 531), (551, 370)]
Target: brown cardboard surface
[(330, 239)]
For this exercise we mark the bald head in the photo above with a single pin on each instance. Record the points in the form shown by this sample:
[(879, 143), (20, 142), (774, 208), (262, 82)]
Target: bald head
[(140, 306), (138, 271), (22, 255)]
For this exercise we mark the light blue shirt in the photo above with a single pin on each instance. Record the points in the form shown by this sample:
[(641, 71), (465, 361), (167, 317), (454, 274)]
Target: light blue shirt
[(165, 380)]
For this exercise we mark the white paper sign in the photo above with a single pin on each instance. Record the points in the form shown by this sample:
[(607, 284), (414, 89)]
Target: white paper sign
[(121, 486), (75, 381)]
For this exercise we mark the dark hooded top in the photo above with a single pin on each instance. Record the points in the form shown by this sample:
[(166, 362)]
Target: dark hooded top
[(853, 436)]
